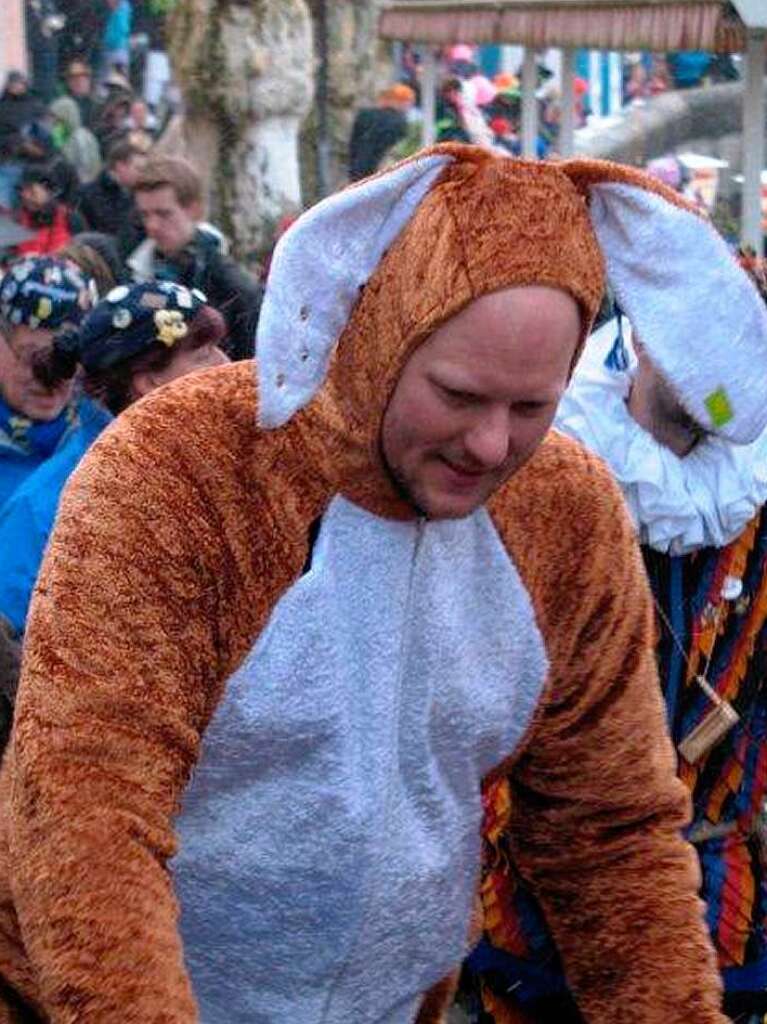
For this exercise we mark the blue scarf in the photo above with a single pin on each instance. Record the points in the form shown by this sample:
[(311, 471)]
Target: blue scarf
[(30, 437)]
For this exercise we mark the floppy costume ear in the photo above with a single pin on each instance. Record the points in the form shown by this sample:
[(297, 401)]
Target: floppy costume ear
[(696, 312), (318, 268)]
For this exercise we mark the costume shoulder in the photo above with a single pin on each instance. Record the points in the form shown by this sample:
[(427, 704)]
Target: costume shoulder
[(555, 515)]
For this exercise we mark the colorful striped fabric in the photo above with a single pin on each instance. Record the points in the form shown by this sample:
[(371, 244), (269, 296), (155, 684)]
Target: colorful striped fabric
[(728, 639)]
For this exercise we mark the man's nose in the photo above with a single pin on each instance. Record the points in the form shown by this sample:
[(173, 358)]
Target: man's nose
[(486, 442)]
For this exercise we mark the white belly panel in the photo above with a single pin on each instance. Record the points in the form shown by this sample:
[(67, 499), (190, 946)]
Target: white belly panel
[(330, 836)]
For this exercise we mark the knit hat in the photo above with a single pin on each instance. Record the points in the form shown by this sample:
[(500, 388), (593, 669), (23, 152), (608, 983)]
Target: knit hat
[(15, 76), (132, 320), (43, 292), (398, 93), (462, 222)]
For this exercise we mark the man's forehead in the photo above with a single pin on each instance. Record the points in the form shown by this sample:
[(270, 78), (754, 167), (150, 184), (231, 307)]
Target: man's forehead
[(161, 199), (514, 310), (28, 339)]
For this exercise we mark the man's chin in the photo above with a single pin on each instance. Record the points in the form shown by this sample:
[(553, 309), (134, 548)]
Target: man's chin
[(451, 506)]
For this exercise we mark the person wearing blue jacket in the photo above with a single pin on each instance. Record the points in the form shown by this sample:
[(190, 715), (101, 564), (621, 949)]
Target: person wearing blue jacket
[(115, 42), (27, 517), (39, 297), (134, 340)]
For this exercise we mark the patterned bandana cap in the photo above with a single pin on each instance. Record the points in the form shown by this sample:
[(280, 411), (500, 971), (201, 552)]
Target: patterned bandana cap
[(45, 293), (133, 319)]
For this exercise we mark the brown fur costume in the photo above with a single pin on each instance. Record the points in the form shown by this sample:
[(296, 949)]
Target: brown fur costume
[(176, 538)]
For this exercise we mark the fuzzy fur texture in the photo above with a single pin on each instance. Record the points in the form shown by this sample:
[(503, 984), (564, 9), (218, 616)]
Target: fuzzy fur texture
[(487, 223), (699, 288), (460, 221)]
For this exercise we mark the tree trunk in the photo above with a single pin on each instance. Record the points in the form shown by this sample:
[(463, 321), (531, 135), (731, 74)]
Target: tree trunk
[(245, 68), (353, 78)]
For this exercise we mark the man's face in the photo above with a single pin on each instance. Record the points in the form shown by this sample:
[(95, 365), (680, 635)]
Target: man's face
[(475, 400), (17, 87), (79, 81), (657, 409), (169, 224), (18, 385), (35, 196), (127, 171)]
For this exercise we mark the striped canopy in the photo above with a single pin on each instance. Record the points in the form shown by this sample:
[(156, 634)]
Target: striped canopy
[(657, 25)]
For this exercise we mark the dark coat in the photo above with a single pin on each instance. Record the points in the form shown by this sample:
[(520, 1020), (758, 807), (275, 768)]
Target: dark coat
[(107, 207), (87, 107), (10, 666), (229, 289), (375, 130), (16, 113)]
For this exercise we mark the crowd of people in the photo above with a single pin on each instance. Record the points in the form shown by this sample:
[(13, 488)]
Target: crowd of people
[(475, 108), (83, 172), (101, 238), (55, 159), (106, 35)]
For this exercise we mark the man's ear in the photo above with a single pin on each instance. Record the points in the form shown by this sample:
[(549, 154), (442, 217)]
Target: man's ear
[(195, 210)]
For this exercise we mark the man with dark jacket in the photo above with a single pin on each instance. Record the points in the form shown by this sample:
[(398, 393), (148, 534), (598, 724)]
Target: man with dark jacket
[(19, 109), (377, 129), (107, 204), (180, 248)]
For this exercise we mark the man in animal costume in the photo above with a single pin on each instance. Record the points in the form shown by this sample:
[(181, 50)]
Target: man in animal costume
[(697, 497), (292, 616)]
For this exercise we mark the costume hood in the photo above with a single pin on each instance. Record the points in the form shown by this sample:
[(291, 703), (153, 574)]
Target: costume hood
[(362, 278)]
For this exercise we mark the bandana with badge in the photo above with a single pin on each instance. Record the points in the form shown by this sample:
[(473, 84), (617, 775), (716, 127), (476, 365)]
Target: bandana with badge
[(45, 293), (131, 320), (42, 293)]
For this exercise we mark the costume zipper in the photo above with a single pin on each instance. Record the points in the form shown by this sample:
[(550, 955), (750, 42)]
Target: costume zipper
[(420, 529)]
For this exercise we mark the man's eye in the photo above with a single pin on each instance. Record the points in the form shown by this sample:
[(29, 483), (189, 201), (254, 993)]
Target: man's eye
[(530, 408), (456, 397)]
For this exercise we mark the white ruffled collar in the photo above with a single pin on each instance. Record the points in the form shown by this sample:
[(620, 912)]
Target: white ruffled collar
[(678, 504)]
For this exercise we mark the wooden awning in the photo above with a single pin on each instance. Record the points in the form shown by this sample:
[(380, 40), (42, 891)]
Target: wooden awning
[(656, 25)]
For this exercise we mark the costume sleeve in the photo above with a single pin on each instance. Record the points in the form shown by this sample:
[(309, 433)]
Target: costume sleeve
[(121, 667), (597, 806)]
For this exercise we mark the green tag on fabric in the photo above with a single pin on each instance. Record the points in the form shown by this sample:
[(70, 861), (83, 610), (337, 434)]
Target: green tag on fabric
[(719, 408)]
